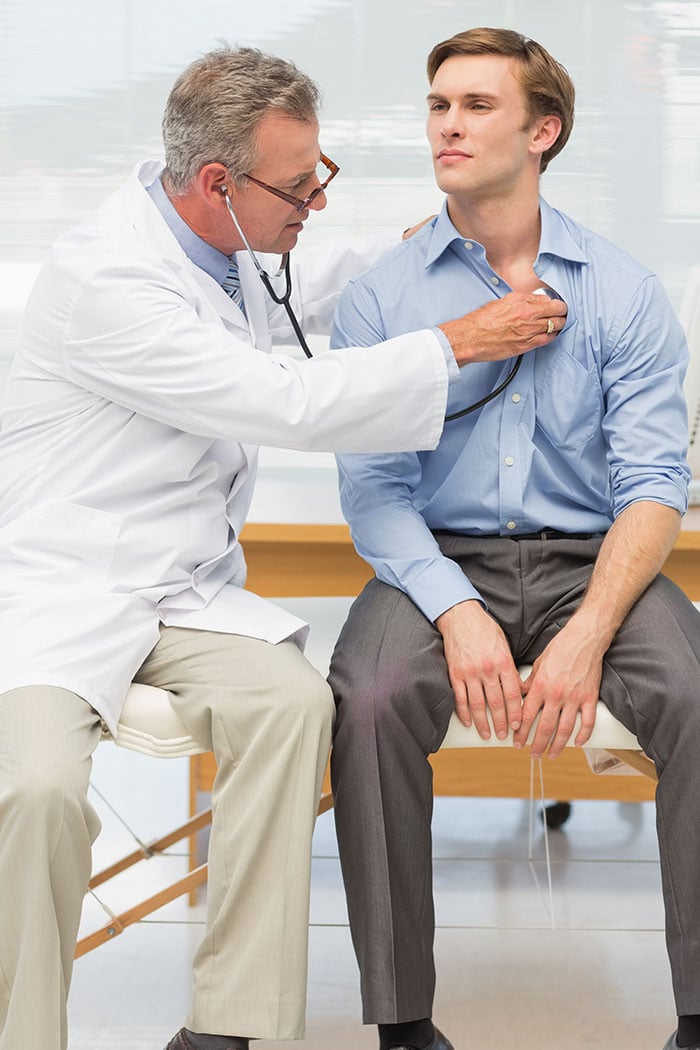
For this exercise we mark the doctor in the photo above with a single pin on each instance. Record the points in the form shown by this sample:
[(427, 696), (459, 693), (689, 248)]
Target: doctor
[(142, 386)]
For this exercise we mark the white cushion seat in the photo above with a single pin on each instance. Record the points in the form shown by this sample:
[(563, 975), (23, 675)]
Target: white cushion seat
[(150, 724)]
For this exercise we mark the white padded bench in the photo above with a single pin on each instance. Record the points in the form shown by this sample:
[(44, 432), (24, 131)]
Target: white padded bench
[(150, 725)]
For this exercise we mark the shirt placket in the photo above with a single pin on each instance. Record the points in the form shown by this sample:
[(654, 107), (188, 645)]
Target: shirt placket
[(516, 412)]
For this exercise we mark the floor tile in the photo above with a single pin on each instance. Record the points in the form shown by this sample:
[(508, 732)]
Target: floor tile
[(505, 978), (553, 990), (133, 993), (498, 829)]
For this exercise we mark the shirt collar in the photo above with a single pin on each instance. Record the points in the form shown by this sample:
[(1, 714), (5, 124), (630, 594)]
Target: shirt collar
[(208, 258), (556, 238), (443, 235)]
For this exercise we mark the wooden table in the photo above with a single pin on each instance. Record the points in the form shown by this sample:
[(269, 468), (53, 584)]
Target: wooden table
[(319, 560)]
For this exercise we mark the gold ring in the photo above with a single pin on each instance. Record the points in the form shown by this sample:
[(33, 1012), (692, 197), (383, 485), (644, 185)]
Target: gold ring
[(550, 326)]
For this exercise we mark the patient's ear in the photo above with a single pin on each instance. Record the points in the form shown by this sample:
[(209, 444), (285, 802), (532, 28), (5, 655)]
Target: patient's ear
[(546, 131)]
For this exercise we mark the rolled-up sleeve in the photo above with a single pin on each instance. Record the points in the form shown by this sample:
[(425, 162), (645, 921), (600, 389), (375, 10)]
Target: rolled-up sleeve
[(645, 416)]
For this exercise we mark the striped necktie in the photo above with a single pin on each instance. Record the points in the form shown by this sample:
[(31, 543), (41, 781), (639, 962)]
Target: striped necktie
[(231, 283)]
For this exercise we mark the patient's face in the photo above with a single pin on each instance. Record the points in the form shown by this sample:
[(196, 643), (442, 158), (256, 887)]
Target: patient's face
[(478, 127)]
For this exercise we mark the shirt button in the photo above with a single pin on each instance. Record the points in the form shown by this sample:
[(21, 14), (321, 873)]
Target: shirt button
[(495, 280), (516, 399), (468, 245), (509, 461), (511, 525)]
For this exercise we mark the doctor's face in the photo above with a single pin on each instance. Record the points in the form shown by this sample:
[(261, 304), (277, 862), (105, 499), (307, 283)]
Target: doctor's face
[(289, 156)]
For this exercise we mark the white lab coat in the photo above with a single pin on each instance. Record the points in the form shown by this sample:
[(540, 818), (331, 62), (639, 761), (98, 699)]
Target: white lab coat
[(135, 405)]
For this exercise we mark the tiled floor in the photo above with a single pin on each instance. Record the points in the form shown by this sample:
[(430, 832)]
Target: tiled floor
[(506, 979)]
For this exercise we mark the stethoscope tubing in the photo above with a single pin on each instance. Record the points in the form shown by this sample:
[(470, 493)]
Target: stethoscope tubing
[(284, 300)]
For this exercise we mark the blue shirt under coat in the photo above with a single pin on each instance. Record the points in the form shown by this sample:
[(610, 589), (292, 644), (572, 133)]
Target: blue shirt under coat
[(197, 250), (591, 424)]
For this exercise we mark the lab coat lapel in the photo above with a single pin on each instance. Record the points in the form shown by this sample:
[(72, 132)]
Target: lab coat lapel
[(151, 225), (256, 301), (155, 231)]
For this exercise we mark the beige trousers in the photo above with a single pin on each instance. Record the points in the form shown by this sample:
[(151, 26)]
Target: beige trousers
[(266, 714)]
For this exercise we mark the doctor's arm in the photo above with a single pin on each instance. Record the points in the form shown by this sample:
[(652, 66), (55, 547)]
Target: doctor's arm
[(138, 338), (503, 328)]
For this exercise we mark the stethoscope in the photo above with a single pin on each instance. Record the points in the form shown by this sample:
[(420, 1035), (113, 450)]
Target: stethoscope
[(283, 300)]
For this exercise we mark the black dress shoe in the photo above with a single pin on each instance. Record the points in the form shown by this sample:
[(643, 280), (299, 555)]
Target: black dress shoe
[(440, 1042), (180, 1042)]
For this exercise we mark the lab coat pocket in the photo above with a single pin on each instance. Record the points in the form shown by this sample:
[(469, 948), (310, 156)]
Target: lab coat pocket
[(61, 542), (569, 401)]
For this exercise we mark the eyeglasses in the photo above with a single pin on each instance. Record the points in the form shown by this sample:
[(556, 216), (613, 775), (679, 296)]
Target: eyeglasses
[(297, 202)]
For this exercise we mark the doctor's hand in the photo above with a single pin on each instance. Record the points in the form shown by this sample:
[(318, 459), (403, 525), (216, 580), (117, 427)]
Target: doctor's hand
[(505, 327), (481, 669), (410, 230)]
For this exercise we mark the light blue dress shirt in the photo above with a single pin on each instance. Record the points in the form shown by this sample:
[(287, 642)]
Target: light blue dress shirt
[(197, 250), (592, 423)]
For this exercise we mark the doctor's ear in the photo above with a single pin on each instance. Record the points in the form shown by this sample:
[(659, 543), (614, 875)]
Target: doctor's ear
[(213, 181)]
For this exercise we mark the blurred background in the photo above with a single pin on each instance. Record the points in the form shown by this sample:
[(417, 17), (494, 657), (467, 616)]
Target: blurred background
[(82, 88)]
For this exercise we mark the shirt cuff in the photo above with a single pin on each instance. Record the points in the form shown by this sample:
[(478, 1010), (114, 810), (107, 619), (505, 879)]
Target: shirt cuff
[(453, 372), (439, 587)]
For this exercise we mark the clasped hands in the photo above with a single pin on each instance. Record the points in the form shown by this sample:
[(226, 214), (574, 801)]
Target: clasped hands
[(564, 681)]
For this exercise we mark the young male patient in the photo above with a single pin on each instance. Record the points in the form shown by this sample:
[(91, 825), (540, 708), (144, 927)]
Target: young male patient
[(534, 533)]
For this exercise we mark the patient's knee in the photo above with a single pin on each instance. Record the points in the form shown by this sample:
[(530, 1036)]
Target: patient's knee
[(379, 702)]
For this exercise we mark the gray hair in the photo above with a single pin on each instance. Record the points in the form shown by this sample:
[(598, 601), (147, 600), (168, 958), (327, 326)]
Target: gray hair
[(216, 105)]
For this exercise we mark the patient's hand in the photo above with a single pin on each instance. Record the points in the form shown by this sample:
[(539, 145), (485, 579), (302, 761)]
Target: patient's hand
[(564, 682), (481, 669)]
